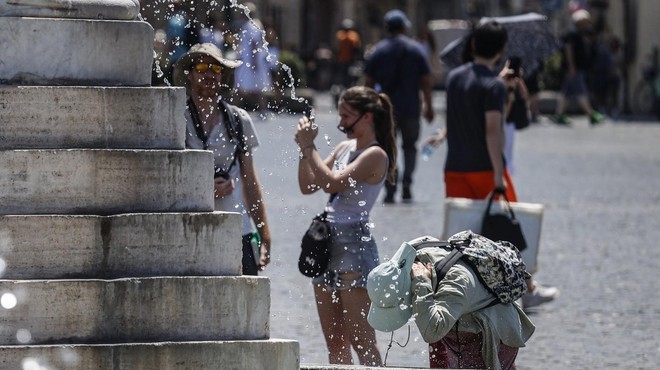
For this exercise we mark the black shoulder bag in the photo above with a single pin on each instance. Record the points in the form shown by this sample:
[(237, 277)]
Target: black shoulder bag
[(315, 245)]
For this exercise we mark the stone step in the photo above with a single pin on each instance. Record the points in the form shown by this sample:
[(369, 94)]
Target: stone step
[(58, 51), (273, 354), (97, 181), (90, 9), (128, 245), (52, 117), (134, 310)]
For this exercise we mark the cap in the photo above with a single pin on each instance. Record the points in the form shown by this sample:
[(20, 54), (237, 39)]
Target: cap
[(396, 19), (200, 50), (389, 288)]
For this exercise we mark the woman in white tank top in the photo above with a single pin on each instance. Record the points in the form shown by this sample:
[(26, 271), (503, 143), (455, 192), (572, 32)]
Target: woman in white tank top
[(356, 170)]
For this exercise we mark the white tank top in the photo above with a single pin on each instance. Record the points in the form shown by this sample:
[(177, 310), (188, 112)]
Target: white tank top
[(355, 203)]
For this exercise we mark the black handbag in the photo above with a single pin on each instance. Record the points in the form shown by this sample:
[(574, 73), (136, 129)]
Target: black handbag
[(502, 226), (315, 246)]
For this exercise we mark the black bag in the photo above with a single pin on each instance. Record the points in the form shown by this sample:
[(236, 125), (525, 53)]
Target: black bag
[(315, 247), (502, 226), (519, 113)]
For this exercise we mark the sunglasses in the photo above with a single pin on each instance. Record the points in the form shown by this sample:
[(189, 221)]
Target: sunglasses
[(203, 67)]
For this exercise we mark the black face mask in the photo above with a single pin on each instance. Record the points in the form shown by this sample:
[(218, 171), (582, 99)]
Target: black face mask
[(349, 129)]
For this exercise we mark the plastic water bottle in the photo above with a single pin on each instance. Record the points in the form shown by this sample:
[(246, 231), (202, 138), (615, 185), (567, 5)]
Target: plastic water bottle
[(427, 150)]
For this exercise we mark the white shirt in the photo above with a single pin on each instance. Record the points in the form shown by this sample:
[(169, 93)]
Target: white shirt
[(224, 149)]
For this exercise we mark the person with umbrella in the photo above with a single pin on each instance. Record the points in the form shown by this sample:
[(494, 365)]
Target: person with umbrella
[(529, 38), (476, 100)]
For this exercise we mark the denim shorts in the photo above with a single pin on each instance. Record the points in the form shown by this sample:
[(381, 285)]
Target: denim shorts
[(353, 249)]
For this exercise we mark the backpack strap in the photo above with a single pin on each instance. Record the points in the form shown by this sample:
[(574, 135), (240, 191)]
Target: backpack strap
[(233, 125), (442, 267), (197, 124)]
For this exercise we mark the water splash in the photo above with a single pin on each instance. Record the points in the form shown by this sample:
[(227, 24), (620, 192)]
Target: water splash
[(8, 301), (30, 363), (23, 336), (215, 6)]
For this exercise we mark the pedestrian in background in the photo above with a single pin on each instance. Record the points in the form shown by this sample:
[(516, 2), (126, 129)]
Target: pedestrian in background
[(355, 171), (348, 46), (533, 84), (516, 109), (226, 130), (577, 58), (476, 98), (216, 31), (398, 66), (180, 34), (253, 77)]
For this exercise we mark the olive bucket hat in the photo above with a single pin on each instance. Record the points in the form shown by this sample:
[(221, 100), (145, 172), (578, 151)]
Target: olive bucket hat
[(389, 288), (183, 66)]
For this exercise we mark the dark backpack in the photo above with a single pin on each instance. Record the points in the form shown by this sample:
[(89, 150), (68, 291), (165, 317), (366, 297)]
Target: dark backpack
[(498, 265)]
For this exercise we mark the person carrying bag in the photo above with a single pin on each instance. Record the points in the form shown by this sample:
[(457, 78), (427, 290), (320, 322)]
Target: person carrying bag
[(356, 170)]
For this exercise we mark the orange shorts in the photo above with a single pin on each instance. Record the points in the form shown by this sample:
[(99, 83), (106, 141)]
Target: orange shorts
[(476, 185)]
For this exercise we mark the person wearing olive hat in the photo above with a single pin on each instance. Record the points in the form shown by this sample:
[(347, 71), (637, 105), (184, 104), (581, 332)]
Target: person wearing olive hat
[(455, 316), (226, 130)]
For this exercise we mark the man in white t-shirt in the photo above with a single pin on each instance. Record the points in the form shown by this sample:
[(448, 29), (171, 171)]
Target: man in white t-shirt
[(228, 131)]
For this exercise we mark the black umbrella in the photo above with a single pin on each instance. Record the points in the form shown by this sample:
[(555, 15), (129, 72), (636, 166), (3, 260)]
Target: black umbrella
[(530, 38)]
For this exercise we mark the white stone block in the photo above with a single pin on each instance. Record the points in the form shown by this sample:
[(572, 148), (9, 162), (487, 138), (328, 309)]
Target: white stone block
[(104, 182), (136, 310), (92, 117), (128, 245), (90, 9), (58, 51), (273, 354)]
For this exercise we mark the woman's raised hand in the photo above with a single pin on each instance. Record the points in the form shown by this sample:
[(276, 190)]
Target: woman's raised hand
[(306, 133)]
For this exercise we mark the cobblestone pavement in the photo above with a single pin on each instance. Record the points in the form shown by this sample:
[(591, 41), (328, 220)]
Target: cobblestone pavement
[(600, 239)]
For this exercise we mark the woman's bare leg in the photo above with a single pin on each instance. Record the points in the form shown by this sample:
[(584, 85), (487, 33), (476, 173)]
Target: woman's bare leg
[(355, 303), (331, 315)]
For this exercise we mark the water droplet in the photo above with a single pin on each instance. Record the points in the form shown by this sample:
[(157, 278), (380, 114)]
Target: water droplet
[(30, 363), (23, 336), (8, 301)]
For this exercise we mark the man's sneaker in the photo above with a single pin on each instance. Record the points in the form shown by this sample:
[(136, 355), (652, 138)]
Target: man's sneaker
[(406, 196), (540, 294), (561, 119), (596, 118), (389, 199)]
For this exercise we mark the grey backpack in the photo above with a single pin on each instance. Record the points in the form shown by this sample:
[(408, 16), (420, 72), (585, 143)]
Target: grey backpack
[(498, 265)]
